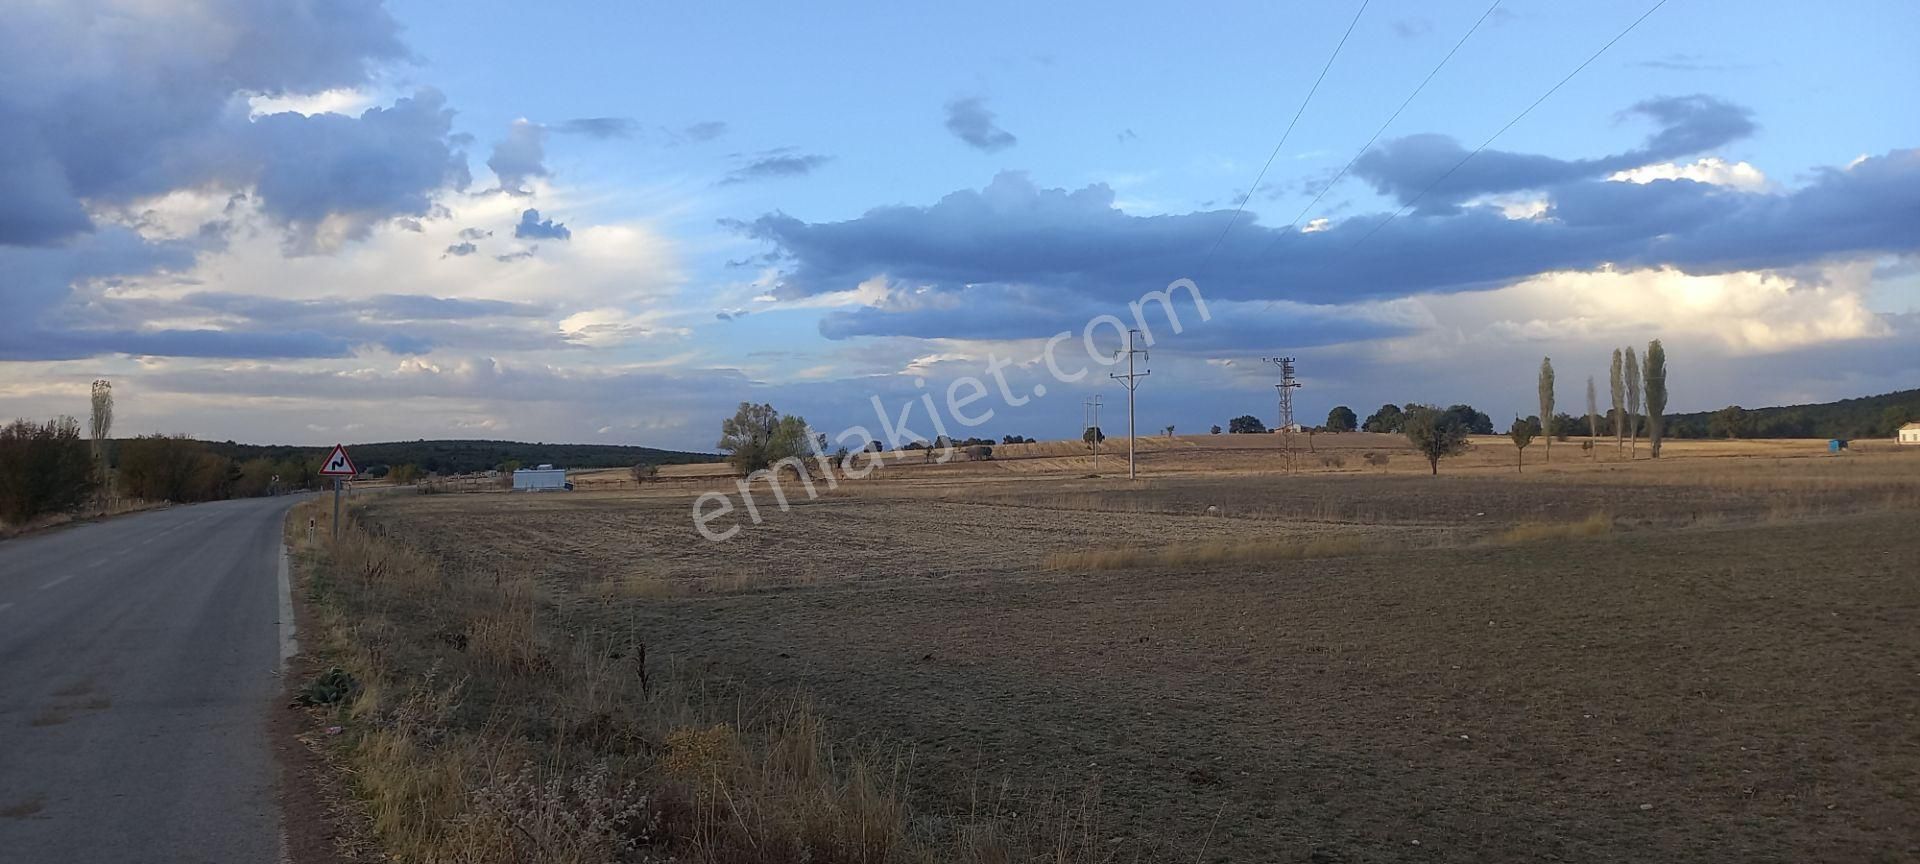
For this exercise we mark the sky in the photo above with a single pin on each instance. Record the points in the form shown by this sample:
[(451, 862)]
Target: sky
[(319, 222)]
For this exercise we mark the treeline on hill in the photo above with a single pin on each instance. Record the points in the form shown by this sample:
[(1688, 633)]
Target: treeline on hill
[(467, 457), (1866, 417)]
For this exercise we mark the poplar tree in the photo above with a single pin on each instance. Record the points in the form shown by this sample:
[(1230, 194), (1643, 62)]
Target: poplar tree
[(1633, 403), (1656, 374), (1546, 403), (1593, 415), (1618, 379)]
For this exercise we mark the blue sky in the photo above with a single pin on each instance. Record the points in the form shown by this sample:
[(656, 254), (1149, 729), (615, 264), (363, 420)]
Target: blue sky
[(323, 232)]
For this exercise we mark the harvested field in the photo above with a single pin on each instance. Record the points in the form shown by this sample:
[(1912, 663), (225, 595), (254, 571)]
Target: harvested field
[(1714, 657)]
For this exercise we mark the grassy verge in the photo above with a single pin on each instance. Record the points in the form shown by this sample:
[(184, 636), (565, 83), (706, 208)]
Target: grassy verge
[(477, 726)]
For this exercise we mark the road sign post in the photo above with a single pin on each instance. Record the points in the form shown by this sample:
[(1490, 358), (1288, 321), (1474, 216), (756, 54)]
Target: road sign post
[(339, 466)]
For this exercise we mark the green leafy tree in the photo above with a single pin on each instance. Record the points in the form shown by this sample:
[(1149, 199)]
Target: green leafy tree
[(1388, 419), (1656, 384), (757, 437), (1522, 433), (1729, 422), (1472, 421), (1246, 424), (1546, 398), (1435, 434), (1342, 419)]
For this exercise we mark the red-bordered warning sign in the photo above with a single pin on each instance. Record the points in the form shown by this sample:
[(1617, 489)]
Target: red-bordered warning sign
[(338, 464)]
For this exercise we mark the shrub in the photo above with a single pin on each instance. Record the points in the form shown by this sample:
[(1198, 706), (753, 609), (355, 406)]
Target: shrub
[(44, 468)]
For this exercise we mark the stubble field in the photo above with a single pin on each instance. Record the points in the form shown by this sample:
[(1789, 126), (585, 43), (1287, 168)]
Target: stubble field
[(1713, 657)]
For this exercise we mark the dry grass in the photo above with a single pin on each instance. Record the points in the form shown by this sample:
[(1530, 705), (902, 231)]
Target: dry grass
[(487, 728), (1212, 553), (1535, 532)]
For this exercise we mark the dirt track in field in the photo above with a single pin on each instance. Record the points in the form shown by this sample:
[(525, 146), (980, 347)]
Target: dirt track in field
[(1743, 687)]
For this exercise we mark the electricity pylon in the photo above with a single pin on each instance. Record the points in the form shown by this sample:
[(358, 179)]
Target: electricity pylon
[(1131, 381)]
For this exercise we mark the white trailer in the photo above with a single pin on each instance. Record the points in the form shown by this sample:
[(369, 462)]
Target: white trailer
[(545, 478)]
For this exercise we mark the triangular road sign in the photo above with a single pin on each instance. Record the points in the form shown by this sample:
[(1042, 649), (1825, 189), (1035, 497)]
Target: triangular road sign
[(338, 464)]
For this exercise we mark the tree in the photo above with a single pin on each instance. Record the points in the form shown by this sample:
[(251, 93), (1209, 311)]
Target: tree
[(1522, 434), (757, 436), (1169, 430), (1388, 419), (1341, 419), (644, 472), (44, 468), (1093, 434), (1593, 416), (1656, 375), (1246, 424), (173, 468), (1546, 399), (1633, 402), (1216, 429), (101, 427), (1617, 379), (1729, 422), (1474, 422), (1435, 434), (404, 475)]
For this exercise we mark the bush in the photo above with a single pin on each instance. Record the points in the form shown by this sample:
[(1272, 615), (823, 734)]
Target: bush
[(44, 468), (980, 452), (645, 473), (173, 468)]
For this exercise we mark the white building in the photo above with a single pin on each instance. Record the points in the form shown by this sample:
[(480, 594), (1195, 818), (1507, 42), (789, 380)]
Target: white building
[(1910, 433), (545, 478)]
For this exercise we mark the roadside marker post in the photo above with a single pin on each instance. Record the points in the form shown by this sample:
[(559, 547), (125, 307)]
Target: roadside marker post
[(339, 466)]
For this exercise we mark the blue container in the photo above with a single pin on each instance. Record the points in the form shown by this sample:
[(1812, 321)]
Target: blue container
[(1835, 445)]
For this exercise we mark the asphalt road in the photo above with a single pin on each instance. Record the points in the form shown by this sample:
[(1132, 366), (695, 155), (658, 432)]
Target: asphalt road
[(139, 657)]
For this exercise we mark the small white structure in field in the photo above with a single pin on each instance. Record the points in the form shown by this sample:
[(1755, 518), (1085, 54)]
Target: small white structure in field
[(1910, 433), (545, 478)]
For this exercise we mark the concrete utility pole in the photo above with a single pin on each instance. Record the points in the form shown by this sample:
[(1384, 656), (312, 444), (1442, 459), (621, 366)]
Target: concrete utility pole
[(1131, 381), (1091, 406)]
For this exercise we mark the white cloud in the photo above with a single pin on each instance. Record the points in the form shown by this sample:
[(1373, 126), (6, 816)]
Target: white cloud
[(1710, 169), (348, 101), (1744, 312)]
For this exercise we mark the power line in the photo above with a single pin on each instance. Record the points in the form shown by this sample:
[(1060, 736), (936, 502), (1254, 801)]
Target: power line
[(1510, 123), (1288, 231), (1242, 205)]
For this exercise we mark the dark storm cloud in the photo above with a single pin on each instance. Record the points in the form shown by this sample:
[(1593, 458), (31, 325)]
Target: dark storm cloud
[(388, 161), (1405, 168), (1000, 311), (519, 157), (170, 112), (775, 164), (1076, 244), (532, 227), (970, 121), (270, 327)]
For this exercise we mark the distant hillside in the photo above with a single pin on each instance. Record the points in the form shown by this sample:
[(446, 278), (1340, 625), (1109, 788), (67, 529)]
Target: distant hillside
[(461, 457), (1865, 417)]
